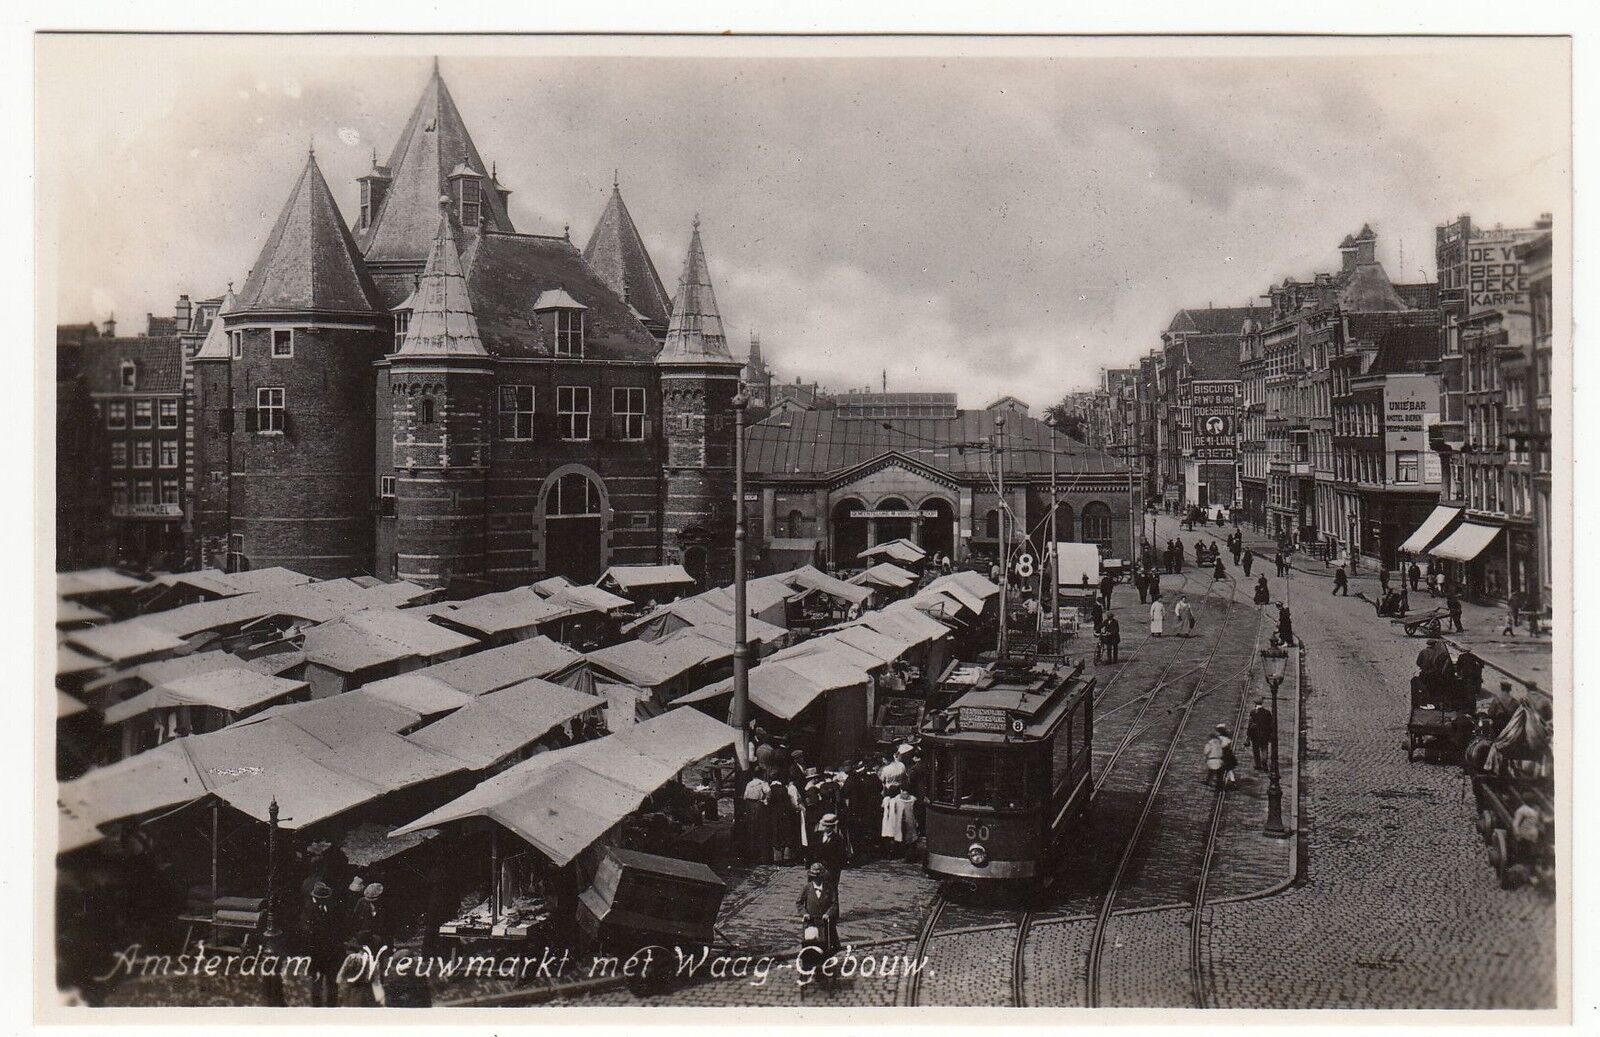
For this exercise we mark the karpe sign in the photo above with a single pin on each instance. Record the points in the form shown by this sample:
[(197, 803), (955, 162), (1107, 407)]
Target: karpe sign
[(1494, 276)]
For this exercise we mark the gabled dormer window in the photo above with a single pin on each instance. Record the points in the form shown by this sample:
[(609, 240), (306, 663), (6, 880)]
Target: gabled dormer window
[(402, 324), (130, 375), (563, 319)]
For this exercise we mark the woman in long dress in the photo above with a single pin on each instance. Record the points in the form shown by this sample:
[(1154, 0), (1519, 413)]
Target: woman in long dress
[(1158, 613)]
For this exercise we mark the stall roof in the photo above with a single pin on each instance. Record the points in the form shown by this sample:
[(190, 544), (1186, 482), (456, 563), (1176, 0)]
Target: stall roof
[(635, 577), (651, 664), (589, 599), (901, 550), (973, 583), (164, 671), (155, 780), (886, 574), (1431, 531), (874, 642), (419, 693), (336, 719), (904, 622), (810, 578), (1467, 542), (761, 596), (215, 581), (562, 801), (496, 725), (318, 602), (67, 706), (389, 762), (500, 612), (501, 667), (70, 661), (306, 791), (551, 584), (372, 637), (233, 690), (77, 612), (785, 688), (94, 581), (123, 642)]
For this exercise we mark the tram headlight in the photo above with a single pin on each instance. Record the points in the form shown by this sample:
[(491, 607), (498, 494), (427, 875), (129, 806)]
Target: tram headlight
[(978, 855)]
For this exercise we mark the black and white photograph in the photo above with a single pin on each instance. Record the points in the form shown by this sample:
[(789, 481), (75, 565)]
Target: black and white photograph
[(558, 522)]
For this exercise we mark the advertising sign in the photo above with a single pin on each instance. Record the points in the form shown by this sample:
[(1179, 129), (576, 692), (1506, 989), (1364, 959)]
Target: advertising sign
[(1494, 279), (991, 719), (1215, 406)]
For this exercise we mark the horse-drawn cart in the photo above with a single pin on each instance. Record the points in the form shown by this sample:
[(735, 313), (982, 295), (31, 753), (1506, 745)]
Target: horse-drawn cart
[(1430, 623)]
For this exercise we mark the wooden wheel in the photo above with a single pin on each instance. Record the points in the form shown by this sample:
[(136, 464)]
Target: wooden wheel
[(1485, 825), (1500, 855)]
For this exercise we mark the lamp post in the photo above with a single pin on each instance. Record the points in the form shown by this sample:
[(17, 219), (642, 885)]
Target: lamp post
[(1273, 661), (741, 647), (1051, 552)]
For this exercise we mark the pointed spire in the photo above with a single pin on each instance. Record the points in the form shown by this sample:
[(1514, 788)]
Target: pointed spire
[(442, 321), (695, 334), (310, 262), (616, 253), (434, 143)]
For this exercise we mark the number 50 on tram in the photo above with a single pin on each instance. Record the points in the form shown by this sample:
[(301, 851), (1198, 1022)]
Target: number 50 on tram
[(1010, 777)]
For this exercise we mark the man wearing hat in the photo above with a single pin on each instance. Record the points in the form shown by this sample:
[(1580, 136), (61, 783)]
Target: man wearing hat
[(819, 902), (369, 932), (324, 947), (829, 848), (1259, 733)]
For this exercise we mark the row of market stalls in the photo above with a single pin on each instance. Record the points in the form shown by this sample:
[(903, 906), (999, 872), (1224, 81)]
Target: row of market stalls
[(481, 753)]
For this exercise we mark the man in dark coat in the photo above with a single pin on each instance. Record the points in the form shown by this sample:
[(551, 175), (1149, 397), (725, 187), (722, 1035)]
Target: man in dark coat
[(1452, 604), (1263, 596), (1259, 732), (819, 902), (324, 945), (1107, 584), (1111, 634), (1341, 582), (1141, 583), (1285, 625), (1248, 560), (829, 849), (1414, 574)]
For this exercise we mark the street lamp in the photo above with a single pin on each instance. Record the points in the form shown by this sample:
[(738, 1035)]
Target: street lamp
[(1274, 659)]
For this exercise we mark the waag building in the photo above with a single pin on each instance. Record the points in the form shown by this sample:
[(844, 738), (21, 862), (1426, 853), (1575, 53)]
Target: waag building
[(431, 395)]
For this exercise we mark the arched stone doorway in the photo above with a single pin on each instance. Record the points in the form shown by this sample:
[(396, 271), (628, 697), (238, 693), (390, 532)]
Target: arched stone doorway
[(574, 526), (939, 532), (848, 535), (883, 530)]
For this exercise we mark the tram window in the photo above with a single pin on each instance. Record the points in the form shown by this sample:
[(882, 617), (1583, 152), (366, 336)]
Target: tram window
[(992, 780), (1062, 752)]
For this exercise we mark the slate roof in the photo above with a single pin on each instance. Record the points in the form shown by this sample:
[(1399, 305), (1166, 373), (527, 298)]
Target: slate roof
[(158, 364), (442, 322), (216, 346), (310, 262), (1405, 350), (1214, 359), (506, 273), (617, 254), (1423, 296), (1368, 288), (434, 142), (813, 444), (695, 335), (1226, 320), (1370, 327)]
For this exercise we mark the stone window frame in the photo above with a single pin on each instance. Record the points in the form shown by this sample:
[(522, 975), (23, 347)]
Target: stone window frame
[(143, 453), (168, 447), (117, 414), (624, 416), (144, 413), (166, 485), (567, 330), (164, 408), (273, 350), (119, 453), (144, 491), (271, 410)]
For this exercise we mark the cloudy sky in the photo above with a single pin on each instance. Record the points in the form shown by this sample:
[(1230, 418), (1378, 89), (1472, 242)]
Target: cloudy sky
[(1008, 220)]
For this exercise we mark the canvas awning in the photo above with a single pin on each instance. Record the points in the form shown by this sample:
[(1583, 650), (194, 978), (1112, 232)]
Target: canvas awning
[(1431, 531), (639, 577), (562, 802), (501, 667), (906, 623), (886, 574), (811, 579), (589, 599), (416, 691), (901, 550), (94, 581), (127, 641), (494, 726), (1079, 564), (551, 584), (1467, 542), (231, 689), (501, 612)]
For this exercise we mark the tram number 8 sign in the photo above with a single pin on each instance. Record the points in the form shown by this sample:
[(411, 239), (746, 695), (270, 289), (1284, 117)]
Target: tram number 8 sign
[(1025, 566), (978, 831)]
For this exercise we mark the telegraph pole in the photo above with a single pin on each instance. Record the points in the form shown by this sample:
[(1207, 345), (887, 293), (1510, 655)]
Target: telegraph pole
[(1055, 562), (741, 646), (1005, 543)]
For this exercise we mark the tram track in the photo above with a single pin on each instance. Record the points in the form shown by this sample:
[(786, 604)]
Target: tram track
[(1022, 927)]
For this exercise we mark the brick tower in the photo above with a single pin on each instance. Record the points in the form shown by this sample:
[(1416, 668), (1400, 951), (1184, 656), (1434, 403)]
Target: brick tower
[(441, 388), (699, 379), (286, 401)]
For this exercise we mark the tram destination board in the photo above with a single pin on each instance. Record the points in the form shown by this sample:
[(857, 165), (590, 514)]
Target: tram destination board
[(990, 720)]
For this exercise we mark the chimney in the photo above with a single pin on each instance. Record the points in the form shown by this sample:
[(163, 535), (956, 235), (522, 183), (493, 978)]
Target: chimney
[(181, 313), (1545, 221), (1366, 246), (1347, 253), (110, 328)]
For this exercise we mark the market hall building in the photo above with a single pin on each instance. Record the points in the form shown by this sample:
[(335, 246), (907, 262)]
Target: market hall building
[(824, 485)]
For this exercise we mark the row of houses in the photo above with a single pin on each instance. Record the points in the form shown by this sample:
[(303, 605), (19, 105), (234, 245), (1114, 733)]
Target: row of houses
[(1352, 414)]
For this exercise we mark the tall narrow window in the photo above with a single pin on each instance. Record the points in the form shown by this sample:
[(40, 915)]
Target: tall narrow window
[(402, 324), (627, 413), (569, 332), (169, 453), (144, 413), (142, 454), (516, 412), (169, 492), (117, 414), (282, 342), (270, 410), (572, 412), (237, 562), (1405, 466), (144, 492), (236, 338), (471, 201), (425, 410), (167, 415)]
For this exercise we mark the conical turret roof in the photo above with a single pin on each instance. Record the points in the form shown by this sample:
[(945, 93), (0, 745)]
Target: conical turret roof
[(617, 253), (310, 262), (695, 334), (434, 143), (442, 321)]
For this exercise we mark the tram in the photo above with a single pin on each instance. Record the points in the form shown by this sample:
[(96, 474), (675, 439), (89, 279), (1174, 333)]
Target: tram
[(1010, 772)]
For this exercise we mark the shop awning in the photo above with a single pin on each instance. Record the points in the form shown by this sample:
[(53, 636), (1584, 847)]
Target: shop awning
[(494, 726), (637, 577), (901, 550), (886, 574), (1431, 530), (1467, 542), (231, 690)]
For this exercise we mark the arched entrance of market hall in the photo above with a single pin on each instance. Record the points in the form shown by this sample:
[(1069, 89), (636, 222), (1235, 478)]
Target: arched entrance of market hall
[(939, 530), (884, 527), (574, 526)]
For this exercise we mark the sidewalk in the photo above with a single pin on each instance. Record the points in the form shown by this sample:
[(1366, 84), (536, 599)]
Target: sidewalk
[(1520, 657)]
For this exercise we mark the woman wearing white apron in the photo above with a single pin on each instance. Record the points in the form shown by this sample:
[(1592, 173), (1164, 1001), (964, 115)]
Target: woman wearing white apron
[(1158, 613)]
